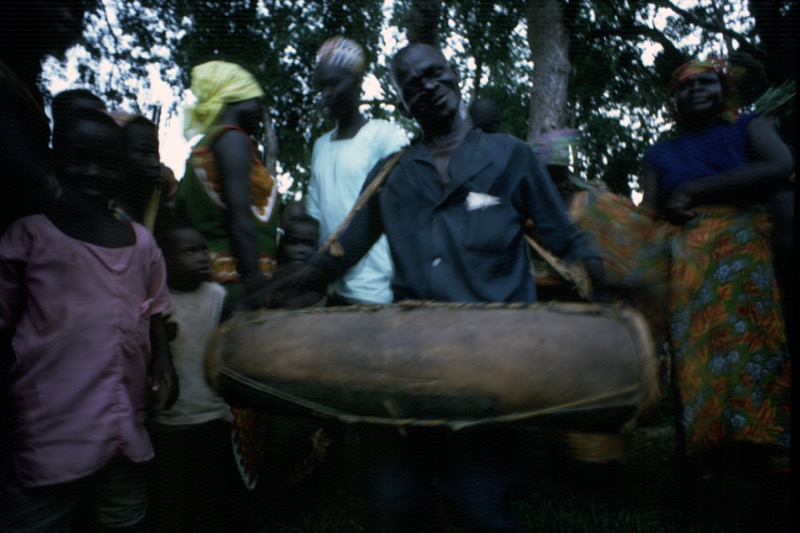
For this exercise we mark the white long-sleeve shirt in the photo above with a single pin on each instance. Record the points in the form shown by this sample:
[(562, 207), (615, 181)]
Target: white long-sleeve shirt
[(338, 171)]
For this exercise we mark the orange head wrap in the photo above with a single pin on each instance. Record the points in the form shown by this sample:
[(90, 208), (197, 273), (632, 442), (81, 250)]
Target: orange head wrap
[(716, 65)]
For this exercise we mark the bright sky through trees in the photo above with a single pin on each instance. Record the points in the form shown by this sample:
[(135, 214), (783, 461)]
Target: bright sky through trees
[(154, 92)]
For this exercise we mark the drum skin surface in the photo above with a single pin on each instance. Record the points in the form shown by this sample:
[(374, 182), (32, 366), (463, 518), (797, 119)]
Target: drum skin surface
[(573, 366)]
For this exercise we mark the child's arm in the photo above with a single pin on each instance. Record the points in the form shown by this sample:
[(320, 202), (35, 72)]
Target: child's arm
[(163, 379)]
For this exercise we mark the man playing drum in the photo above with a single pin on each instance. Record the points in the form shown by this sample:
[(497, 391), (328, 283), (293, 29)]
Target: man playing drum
[(453, 209)]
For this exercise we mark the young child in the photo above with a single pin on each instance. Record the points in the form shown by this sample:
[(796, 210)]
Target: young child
[(299, 235), (195, 482), (143, 175), (67, 106), (297, 243), (81, 295)]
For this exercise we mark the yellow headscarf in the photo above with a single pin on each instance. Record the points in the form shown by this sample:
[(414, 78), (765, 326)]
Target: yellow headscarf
[(216, 84)]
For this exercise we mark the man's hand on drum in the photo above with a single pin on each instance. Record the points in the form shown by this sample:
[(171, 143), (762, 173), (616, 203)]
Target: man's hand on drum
[(287, 289), (596, 272)]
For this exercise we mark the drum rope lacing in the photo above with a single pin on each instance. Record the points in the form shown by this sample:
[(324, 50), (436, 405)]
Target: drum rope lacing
[(394, 418)]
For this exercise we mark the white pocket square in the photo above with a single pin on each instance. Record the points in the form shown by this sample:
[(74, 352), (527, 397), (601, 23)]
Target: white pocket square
[(478, 200)]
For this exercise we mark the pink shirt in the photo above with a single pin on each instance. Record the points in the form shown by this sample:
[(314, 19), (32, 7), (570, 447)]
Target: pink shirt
[(81, 315)]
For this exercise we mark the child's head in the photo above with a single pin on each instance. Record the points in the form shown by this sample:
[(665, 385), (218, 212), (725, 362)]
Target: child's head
[(69, 105), (91, 156), (300, 235), (486, 115), (185, 253), (142, 160), (169, 186)]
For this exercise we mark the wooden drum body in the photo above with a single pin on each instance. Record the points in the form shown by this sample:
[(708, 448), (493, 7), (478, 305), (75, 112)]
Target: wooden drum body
[(571, 366)]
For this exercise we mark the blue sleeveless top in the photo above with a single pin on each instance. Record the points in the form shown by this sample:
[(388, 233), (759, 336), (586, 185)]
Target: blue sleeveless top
[(698, 154)]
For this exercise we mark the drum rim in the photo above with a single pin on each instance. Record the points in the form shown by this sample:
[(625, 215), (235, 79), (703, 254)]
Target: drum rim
[(630, 318)]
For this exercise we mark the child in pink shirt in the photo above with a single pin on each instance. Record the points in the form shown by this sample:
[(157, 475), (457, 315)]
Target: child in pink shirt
[(81, 296)]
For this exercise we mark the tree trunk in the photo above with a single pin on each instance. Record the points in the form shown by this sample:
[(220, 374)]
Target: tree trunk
[(270, 144), (550, 53), (476, 88), (423, 21)]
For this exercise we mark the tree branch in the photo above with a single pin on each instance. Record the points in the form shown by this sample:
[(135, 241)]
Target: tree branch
[(630, 30), (270, 143), (110, 27), (104, 9), (705, 24)]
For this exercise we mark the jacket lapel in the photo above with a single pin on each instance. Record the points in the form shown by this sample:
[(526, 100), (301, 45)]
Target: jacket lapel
[(468, 161), (419, 167)]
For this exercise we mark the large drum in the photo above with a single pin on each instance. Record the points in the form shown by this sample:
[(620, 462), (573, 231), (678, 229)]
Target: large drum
[(570, 366)]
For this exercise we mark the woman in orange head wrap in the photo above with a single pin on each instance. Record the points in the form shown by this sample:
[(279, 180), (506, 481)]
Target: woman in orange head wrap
[(713, 69), (711, 182)]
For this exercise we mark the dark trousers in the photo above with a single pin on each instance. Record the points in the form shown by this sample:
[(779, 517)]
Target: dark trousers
[(195, 484), (471, 475)]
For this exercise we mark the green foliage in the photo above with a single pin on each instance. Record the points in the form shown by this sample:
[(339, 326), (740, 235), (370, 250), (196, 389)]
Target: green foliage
[(277, 41), (615, 96), (514, 106), (486, 33), (778, 102), (487, 27)]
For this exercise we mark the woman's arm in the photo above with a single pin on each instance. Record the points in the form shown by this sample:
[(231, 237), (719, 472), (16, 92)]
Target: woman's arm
[(649, 187), (676, 209), (233, 155)]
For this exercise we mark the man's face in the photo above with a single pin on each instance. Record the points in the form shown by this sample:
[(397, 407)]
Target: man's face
[(339, 90), (427, 84), (249, 114)]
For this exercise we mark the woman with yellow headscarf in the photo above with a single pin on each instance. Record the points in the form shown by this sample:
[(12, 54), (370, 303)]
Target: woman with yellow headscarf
[(230, 196), (226, 192)]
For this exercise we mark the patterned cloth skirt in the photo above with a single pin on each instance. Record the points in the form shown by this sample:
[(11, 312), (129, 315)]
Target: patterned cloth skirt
[(708, 290)]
